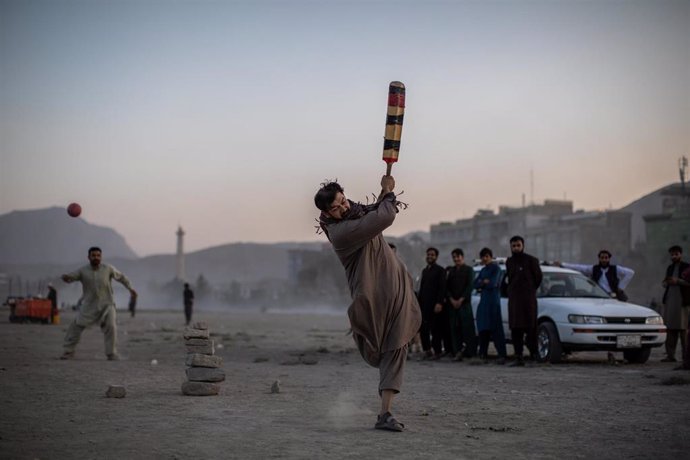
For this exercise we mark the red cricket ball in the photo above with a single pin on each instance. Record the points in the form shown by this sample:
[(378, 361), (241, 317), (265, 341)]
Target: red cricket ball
[(74, 209)]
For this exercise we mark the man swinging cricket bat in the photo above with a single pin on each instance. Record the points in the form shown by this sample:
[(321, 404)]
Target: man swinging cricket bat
[(384, 314)]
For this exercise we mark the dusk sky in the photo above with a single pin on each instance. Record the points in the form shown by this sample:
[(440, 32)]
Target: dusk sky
[(224, 116)]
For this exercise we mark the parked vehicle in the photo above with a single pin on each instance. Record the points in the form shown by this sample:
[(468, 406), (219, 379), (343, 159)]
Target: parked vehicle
[(575, 314)]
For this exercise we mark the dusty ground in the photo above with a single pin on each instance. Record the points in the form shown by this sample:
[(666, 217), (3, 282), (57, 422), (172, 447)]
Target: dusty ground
[(584, 408)]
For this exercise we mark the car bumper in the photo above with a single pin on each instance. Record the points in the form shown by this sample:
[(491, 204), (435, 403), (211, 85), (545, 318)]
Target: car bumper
[(604, 337)]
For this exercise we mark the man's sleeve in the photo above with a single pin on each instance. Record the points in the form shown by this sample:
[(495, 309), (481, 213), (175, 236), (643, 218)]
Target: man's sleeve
[(495, 280), (441, 279), (120, 278), (625, 274), (359, 232), (538, 275), (584, 269), (467, 293), (509, 270), (75, 275)]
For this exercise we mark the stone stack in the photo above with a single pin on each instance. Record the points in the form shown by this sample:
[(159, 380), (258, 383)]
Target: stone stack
[(203, 367)]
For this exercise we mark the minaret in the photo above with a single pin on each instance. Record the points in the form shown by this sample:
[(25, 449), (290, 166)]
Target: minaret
[(181, 275)]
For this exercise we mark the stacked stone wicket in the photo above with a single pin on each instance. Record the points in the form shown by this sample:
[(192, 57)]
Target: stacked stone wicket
[(203, 367)]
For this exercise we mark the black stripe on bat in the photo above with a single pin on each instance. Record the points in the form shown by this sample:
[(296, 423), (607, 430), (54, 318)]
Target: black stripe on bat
[(390, 144), (394, 119)]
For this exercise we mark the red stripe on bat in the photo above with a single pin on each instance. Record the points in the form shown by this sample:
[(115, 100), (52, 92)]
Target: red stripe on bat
[(396, 100)]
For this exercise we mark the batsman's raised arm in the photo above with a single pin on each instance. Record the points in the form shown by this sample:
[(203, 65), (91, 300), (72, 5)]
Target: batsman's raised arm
[(387, 186)]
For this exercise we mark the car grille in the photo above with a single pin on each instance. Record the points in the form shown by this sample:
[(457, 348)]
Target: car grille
[(624, 320)]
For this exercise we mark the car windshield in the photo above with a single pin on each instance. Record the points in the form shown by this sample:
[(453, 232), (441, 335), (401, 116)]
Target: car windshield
[(559, 284)]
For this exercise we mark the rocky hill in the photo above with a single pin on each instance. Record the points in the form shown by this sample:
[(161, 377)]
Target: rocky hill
[(50, 236)]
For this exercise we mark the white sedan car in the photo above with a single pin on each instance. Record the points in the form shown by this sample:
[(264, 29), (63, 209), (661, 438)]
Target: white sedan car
[(575, 314)]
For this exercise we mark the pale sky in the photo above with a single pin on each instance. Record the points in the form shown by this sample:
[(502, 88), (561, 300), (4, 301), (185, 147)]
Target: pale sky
[(224, 116)]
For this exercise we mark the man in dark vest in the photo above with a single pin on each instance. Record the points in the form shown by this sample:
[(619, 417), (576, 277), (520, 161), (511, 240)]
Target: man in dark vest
[(523, 277), (432, 291), (611, 278), (676, 303)]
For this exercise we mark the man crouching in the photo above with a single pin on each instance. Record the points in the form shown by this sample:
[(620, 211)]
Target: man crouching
[(384, 314)]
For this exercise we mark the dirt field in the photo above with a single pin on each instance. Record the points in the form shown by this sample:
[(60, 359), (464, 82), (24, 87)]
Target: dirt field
[(584, 408)]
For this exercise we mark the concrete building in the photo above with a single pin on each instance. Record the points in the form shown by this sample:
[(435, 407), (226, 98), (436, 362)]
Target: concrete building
[(552, 231), (671, 226)]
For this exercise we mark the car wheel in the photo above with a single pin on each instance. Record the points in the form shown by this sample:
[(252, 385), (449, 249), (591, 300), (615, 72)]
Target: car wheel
[(548, 343), (637, 356)]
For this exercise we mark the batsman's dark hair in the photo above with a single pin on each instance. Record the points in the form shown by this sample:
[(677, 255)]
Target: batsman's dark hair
[(94, 248), (434, 250), (675, 248), (605, 251), (457, 252), (326, 194), (517, 238), (486, 251)]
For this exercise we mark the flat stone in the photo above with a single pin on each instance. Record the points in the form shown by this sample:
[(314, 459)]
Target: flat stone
[(201, 349), (116, 391), (199, 360), (195, 341), (200, 388), (195, 333), (200, 325), (275, 388), (205, 374), (308, 360)]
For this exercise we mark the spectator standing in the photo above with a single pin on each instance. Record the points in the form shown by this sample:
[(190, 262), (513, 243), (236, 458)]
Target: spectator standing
[(459, 282), (489, 319), (676, 303), (52, 296), (188, 297), (432, 291), (523, 277), (686, 361)]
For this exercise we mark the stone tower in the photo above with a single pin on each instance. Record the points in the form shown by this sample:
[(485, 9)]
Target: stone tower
[(180, 275)]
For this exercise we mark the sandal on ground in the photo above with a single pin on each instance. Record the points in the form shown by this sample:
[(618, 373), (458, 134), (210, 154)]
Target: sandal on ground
[(388, 422), (67, 355)]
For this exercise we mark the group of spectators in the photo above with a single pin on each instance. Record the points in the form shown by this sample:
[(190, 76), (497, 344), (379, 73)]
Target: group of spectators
[(448, 323), (448, 326)]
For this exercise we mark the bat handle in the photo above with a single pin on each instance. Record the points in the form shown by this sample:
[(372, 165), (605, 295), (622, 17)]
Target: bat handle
[(389, 166)]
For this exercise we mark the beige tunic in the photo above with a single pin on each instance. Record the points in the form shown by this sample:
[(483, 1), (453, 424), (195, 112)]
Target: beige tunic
[(384, 313), (98, 290)]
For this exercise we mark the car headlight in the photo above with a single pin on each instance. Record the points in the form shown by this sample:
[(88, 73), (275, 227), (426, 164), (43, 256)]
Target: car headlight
[(584, 319), (654, 320)]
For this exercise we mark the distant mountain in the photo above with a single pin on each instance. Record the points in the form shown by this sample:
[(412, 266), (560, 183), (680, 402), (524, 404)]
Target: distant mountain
[(220, 265), (50, 236)]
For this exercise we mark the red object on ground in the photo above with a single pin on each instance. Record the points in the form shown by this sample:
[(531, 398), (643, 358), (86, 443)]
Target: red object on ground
[(32, 310), (74, 209)]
